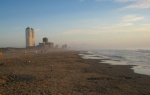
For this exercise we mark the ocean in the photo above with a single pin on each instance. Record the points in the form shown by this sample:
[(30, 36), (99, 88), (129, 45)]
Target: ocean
[(139, 59)]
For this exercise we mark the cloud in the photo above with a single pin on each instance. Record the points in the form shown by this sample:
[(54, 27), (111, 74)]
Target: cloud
[(132, 18), (106, 34), (124, 24), (142, 4), (125, 0), (128, 20), (136, 3), (143, 28), (117, 28), (127, 23)]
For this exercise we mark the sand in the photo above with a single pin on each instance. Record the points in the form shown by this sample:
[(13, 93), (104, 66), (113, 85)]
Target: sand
[(59, 72)]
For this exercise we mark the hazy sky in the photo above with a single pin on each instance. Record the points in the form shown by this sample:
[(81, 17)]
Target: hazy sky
[(78, 23)]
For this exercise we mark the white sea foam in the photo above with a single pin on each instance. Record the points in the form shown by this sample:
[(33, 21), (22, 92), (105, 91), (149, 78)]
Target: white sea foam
[(139, 58)]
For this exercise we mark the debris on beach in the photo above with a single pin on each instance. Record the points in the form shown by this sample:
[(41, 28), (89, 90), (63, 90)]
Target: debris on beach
[(24, 53), (1, 54)]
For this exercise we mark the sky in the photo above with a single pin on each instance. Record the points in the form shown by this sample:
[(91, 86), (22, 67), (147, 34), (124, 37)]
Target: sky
[(85, 24)]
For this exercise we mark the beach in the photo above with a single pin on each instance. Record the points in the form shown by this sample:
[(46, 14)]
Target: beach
[(64, 72)]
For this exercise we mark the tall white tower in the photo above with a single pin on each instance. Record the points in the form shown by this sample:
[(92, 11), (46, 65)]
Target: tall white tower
[(30, 37)]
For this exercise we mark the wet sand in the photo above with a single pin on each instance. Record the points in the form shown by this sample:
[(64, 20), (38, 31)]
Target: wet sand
[(60, 72)]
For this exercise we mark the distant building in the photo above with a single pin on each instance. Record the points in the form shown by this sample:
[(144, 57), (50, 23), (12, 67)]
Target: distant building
[(45, 40), (30, 37), (56, 46), (46, 44), (64, 46)]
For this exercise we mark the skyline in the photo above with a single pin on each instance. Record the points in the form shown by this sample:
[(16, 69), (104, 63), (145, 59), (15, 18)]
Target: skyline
[(102, 24)]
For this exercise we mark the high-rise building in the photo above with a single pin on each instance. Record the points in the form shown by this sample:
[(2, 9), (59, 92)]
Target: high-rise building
[(30, 37)]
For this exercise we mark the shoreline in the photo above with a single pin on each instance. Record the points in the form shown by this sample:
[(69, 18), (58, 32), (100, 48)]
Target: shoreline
[(123, 73), (66, 73), (137, 68)]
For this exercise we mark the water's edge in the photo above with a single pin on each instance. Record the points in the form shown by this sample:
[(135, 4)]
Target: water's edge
[(137, 67)]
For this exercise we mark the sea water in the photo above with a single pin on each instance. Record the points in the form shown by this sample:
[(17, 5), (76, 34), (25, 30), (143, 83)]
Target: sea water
[(139, 59)]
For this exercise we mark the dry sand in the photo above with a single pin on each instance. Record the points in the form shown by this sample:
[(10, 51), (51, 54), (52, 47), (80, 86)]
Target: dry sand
[(65, 73)]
